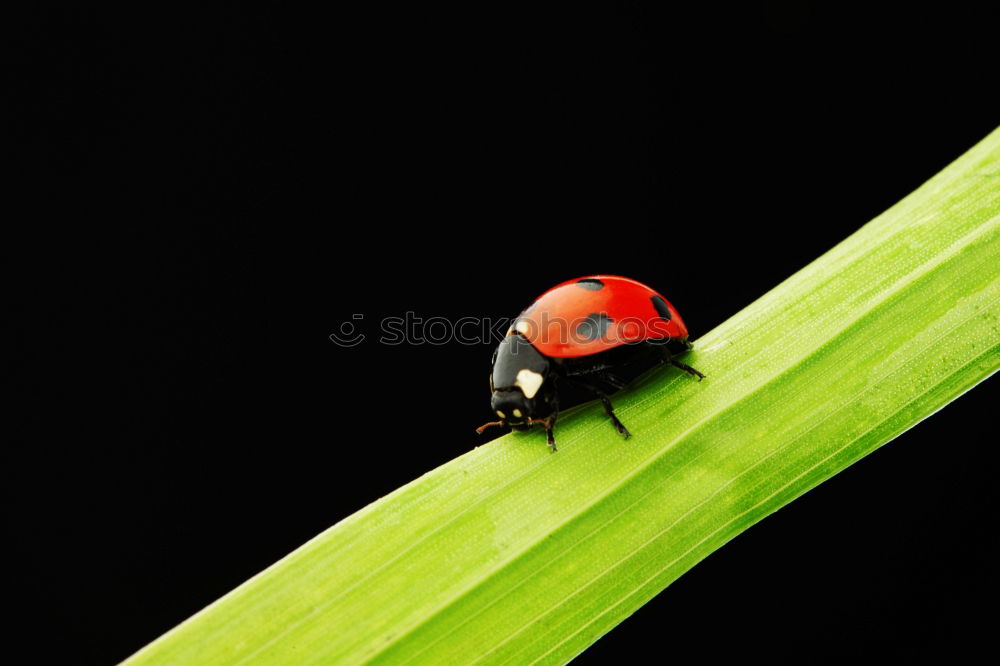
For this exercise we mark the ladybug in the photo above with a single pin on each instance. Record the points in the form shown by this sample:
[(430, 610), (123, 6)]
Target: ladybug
[(577, 333)]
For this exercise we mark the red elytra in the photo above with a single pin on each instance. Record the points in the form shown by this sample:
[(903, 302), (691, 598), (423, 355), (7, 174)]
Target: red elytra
[(596, 313)]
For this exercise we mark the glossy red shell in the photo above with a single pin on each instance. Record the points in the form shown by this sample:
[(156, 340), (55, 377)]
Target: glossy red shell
[(556, 324)]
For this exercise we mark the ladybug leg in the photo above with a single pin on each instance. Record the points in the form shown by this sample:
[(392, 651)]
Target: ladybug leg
[(687, 368), (548, 424), (549, 437), (668, 358), (608, 408), (549, 421), (619, 426)]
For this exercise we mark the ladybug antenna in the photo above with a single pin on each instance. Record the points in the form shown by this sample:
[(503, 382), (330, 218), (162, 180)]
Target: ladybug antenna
[(483, 427)]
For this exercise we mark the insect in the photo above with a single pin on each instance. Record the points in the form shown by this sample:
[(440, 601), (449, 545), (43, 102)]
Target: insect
[(579, 332)]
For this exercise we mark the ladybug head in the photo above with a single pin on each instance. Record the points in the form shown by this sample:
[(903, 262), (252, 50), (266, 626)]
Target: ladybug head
[(522, 389), (518, 411), (513, 408)]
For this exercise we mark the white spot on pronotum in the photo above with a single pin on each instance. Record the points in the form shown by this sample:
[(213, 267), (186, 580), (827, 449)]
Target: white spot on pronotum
[(522, 327), (517, 414), (501, 414), (529, 382)]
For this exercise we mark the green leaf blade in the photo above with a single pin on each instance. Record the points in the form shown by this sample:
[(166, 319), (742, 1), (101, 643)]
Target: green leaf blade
[(510, 554)]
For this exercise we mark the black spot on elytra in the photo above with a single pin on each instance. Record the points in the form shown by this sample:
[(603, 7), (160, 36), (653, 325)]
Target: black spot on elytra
[(593, 284), (594, 327), (661, 307)]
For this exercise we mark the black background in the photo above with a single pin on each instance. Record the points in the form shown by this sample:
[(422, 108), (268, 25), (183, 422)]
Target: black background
[(214, 191)]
